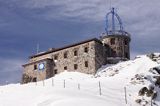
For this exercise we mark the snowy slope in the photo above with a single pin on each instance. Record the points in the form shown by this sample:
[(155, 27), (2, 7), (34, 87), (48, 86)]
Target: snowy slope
[(73, 88)]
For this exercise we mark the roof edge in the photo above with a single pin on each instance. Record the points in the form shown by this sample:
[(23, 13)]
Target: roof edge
[(36, 62), (65, 47)]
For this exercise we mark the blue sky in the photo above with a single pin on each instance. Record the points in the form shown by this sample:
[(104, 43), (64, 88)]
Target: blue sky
[(55, 23)]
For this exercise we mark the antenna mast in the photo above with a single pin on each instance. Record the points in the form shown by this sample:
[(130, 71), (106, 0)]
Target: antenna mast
[(37, 48), (111, 29)]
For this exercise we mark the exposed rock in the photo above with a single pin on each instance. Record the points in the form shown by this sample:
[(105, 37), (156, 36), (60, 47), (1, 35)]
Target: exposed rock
[(138, 101), (151, 87), (154, 59), (149, 93), (157, 83), (144, 103), (151, 56), (142, 91), (138, 79), (157, 69), (154, 95)]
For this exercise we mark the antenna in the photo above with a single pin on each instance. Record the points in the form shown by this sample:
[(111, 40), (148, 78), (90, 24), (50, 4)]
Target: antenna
[(37, 48), (114, 17), (113, 21)]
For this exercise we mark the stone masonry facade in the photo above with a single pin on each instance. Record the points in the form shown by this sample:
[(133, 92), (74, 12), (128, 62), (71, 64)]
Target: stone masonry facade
[(86, 57)]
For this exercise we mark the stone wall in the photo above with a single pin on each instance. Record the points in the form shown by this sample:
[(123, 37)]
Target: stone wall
[(81, 61), (34, 74), (78, 60), (101, 55), (86, 57), (120, 47)]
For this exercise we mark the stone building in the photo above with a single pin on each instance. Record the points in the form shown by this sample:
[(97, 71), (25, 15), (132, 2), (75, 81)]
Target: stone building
[(119, 46), (86, 56)]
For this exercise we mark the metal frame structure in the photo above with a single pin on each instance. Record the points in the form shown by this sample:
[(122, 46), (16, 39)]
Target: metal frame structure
[(113, 30)]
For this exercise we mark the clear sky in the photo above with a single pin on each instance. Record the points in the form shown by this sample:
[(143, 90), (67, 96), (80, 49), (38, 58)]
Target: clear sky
[(55, 23)]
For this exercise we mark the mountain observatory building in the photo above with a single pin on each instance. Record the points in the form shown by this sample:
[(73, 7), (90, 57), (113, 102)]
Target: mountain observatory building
[(85, 56)]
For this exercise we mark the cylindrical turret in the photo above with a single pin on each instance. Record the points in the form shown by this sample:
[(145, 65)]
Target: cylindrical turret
[(118, 44), (115, 39)]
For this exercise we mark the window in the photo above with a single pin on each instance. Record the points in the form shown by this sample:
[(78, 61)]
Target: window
[(55, 71), (35, 67), (114, 53), (75, 53), (86, 63), (126, 55), (56, 57), (34, 79), (65, 55), (86, 49), (75, 66), (125, 42), (112, 41), (65, 68)]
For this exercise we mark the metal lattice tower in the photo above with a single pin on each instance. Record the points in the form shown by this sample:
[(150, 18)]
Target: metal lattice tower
[(112, 29)]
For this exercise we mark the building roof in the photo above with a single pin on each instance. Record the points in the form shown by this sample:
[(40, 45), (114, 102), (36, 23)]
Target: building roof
[(65, 47), (36, 61)]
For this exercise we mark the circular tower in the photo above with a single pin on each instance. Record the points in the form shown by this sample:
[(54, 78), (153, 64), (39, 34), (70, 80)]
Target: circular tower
[(115, 39)]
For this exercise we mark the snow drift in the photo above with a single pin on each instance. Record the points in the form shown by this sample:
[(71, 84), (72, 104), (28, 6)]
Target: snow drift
[(132, 83)]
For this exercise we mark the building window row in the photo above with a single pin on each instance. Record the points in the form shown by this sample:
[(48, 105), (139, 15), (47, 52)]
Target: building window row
[(113, 41), (76, 66), (65, 55)]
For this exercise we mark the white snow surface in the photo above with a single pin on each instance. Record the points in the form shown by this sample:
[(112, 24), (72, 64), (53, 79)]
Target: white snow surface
[(83, 90)]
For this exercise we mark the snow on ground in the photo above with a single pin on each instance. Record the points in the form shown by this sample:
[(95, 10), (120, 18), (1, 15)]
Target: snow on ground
[(73, 88)]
